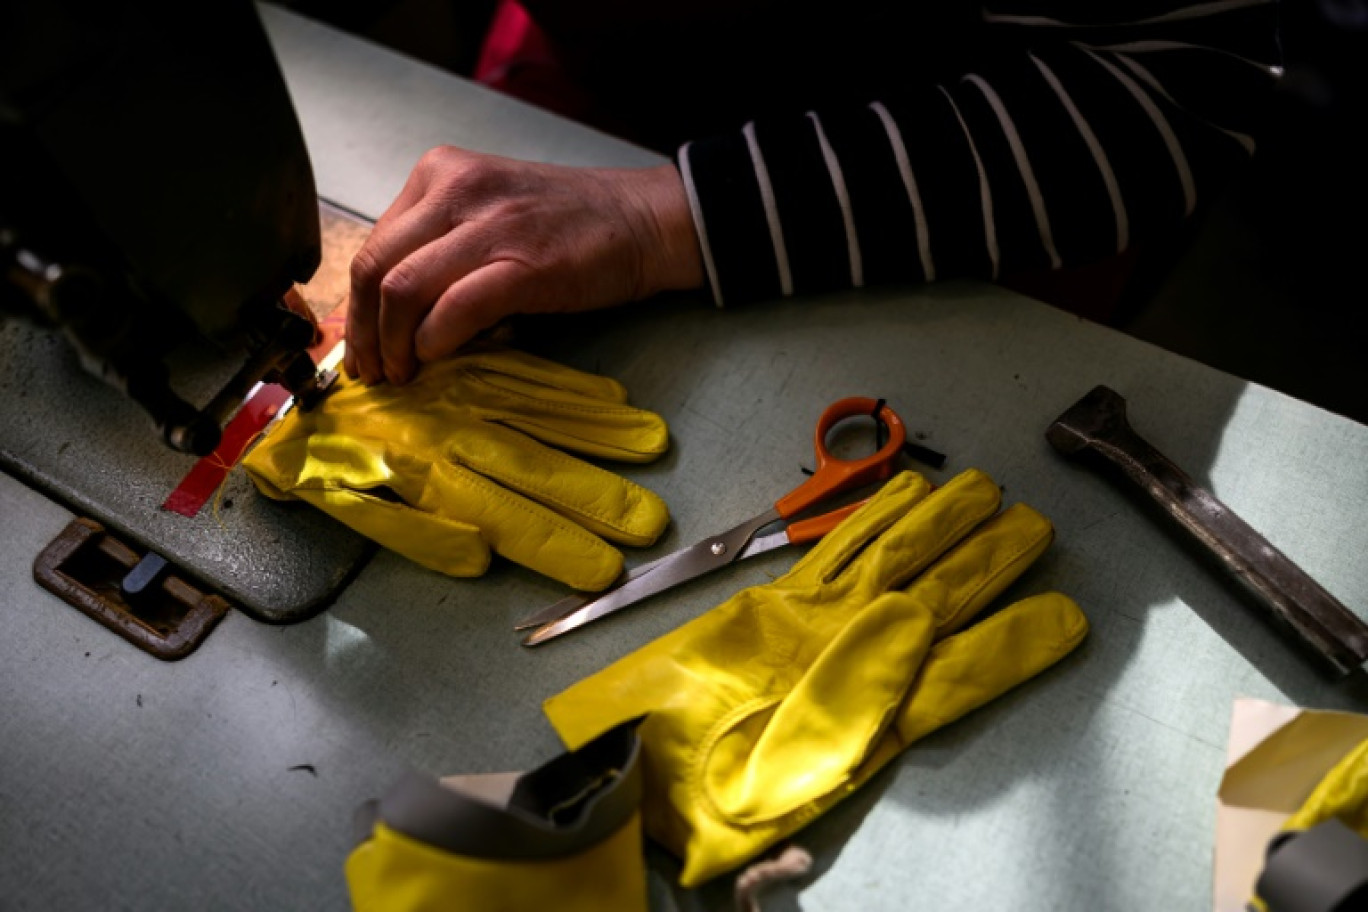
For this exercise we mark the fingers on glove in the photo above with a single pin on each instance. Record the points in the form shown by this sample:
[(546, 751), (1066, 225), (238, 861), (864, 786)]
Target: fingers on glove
[(591, 497), (894, 546), (436, 542), (832, 717), (883, 510), (447, 517), (967, 579), (965, 671), (619, 434), (525, 373), (550, 539), (566, 408)]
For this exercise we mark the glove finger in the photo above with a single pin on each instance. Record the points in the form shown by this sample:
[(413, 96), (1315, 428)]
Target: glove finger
[(764, 765), (967, 579), (527, 374), (619, 434), (579, 412), (921, 534), (523, 530), (883, 510), (436, 542), (591, 497), (965, 671)]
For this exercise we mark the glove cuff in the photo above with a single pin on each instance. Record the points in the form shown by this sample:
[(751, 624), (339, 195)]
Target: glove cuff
[(566, 836)]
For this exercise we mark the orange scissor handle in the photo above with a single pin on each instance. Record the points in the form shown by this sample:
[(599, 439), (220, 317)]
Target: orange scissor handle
[(834, 475), (809, 530)]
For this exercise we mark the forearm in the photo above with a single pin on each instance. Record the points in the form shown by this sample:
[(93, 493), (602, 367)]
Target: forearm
[(1090, 137)]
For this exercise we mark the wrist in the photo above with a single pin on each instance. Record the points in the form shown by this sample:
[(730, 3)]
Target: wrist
[(671, 257)]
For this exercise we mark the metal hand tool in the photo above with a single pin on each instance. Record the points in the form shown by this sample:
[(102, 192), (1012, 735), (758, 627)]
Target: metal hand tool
[(833, 476), (1096, 426)]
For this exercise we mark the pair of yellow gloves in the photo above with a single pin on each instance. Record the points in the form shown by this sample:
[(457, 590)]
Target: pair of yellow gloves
[(758, 715)]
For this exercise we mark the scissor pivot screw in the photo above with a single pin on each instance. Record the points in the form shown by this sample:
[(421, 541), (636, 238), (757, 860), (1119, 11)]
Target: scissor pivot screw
[(719, 548)]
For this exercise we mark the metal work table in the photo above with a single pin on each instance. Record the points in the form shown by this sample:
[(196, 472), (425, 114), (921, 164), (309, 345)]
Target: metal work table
[(227, 780)]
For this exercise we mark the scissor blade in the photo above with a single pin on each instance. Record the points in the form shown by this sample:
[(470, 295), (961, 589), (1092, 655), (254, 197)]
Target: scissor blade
[(560, 609), (763, 543), (665, 573)]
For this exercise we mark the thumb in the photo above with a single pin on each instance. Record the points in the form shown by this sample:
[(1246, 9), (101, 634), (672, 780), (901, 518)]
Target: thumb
[(826, 725)]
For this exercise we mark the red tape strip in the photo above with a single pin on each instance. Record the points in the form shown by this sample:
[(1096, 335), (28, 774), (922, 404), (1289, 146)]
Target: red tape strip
[(209, 472), (205, 477)]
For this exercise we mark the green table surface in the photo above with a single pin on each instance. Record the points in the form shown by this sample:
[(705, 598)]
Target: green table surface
[(228, 780)]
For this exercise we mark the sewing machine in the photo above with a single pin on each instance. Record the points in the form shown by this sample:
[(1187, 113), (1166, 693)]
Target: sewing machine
[(157, 189), (158, 221)]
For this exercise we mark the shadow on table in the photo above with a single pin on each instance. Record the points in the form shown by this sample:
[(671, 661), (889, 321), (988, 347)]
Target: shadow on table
[(982, 374)]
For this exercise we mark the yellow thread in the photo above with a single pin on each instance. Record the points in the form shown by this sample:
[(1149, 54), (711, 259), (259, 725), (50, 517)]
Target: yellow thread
[(218, 462)]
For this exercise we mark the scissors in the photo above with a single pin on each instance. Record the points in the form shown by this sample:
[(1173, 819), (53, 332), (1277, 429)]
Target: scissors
[(833, 476)]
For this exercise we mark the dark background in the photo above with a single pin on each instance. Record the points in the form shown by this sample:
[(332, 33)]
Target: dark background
[(1266, 284)]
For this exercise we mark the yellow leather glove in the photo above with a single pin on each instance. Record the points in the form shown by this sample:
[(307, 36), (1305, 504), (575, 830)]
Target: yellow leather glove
[(767, 710), (1341, 794), (565, 836), (469, 457)]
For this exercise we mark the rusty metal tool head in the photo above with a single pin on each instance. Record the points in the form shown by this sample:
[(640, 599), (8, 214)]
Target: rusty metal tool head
[(1096, 429)]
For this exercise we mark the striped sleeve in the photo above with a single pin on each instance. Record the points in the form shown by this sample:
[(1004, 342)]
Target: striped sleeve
[(1103, 125)]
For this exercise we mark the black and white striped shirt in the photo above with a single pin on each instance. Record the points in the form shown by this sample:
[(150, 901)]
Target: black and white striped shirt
[(1091, 126)]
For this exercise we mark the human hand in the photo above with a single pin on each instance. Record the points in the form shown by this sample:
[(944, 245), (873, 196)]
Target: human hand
[(474, 238)]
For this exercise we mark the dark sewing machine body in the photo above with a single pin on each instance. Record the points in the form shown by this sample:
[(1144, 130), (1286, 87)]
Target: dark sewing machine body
[(155, 189), (158, 214)]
